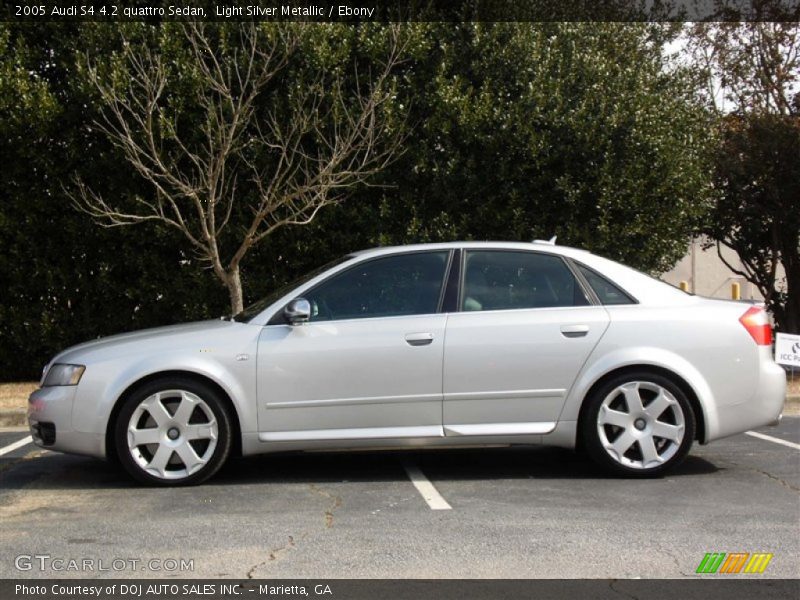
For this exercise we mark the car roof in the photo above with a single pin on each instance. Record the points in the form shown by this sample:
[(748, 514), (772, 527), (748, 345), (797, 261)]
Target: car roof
[(534, 245)]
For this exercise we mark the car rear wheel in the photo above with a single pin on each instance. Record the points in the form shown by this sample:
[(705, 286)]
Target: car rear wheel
[(638, 425), (173, 432)]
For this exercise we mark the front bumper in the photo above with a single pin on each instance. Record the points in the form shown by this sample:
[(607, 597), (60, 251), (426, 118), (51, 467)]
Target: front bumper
[(50, 422)]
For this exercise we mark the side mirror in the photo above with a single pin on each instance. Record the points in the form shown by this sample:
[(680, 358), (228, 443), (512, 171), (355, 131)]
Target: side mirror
[(298, 311)]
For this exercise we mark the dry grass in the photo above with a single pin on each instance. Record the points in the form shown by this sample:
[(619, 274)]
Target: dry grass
[(15, 395), (793, 386)]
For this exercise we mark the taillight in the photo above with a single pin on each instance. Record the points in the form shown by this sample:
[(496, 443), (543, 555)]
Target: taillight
[(756, 322)]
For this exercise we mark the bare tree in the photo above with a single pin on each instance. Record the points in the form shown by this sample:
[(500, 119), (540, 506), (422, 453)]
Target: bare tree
[(752, 80), (747, 67), (257, 160)]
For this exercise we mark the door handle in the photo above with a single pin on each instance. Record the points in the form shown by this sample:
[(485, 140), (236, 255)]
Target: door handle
[(574, 331), (419, 339)]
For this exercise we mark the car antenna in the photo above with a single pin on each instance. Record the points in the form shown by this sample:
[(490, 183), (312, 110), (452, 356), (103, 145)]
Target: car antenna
[(551, 241)]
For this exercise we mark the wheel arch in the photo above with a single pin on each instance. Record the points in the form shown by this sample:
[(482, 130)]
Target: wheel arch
[(236, 447), (686, 388)]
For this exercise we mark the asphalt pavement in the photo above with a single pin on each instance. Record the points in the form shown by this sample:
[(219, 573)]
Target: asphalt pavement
[(496, 513)]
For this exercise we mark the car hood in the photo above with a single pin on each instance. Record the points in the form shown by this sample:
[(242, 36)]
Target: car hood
[(148, 340)]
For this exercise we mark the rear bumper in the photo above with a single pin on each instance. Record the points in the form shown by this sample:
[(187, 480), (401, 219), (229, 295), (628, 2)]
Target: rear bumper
[(765, 407), (50, 422)]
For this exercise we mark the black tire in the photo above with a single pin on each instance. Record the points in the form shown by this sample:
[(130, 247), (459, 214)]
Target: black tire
[(671, 452), (215, 456)]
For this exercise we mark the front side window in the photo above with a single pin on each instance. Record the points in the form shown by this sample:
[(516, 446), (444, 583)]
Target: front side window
[(504, 280), (254, 309), (405, 284)]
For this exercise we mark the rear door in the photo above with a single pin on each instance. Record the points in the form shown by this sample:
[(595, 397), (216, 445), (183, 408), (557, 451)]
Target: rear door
[(524, 329)]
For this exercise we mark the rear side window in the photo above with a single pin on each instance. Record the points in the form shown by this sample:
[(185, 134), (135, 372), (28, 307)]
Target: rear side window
[(607, 292), (501, 280)]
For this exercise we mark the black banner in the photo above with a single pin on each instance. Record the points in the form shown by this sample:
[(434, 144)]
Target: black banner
[(711, 588), (403, 10)]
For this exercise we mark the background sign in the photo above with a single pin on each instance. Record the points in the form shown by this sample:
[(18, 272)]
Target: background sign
[(787, 349)]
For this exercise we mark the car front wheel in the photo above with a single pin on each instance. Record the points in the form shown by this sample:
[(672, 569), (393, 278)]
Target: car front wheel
[(173, 432), (638, 425)]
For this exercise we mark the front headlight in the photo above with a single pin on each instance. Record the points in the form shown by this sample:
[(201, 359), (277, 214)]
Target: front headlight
[(63, 375)]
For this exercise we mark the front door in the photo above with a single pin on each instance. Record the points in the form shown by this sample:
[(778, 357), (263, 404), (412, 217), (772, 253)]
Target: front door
[(368, 363)]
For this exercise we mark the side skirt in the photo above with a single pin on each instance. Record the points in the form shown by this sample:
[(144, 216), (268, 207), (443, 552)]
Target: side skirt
[(563, 435)]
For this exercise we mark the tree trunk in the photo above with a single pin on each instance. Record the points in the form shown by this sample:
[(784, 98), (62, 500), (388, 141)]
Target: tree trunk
[(233, 281)]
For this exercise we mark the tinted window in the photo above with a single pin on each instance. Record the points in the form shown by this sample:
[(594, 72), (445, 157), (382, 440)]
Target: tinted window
[(495, 280), (255, 308), (406, 284), (607, 292)]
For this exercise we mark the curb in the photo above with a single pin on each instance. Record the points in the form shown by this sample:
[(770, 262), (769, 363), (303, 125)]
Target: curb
[(17, 417)]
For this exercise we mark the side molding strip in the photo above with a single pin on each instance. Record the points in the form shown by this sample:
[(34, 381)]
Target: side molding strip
[(426, 431), (488, 429)]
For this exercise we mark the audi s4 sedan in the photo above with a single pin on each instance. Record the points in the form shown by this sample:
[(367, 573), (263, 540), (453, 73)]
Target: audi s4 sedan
[(471, 343)]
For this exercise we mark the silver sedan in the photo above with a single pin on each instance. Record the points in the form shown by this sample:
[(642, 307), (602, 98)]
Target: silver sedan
[(419, 346)]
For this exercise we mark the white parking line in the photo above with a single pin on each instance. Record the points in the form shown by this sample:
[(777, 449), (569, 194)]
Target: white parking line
[(18, 444), (769, 438), (426, 489)]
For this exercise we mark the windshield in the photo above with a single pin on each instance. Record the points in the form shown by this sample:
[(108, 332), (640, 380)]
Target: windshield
[(259, 305)]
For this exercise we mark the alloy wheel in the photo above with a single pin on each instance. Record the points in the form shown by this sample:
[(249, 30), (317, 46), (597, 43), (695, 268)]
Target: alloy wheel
[(172, 434), (641, 425)]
